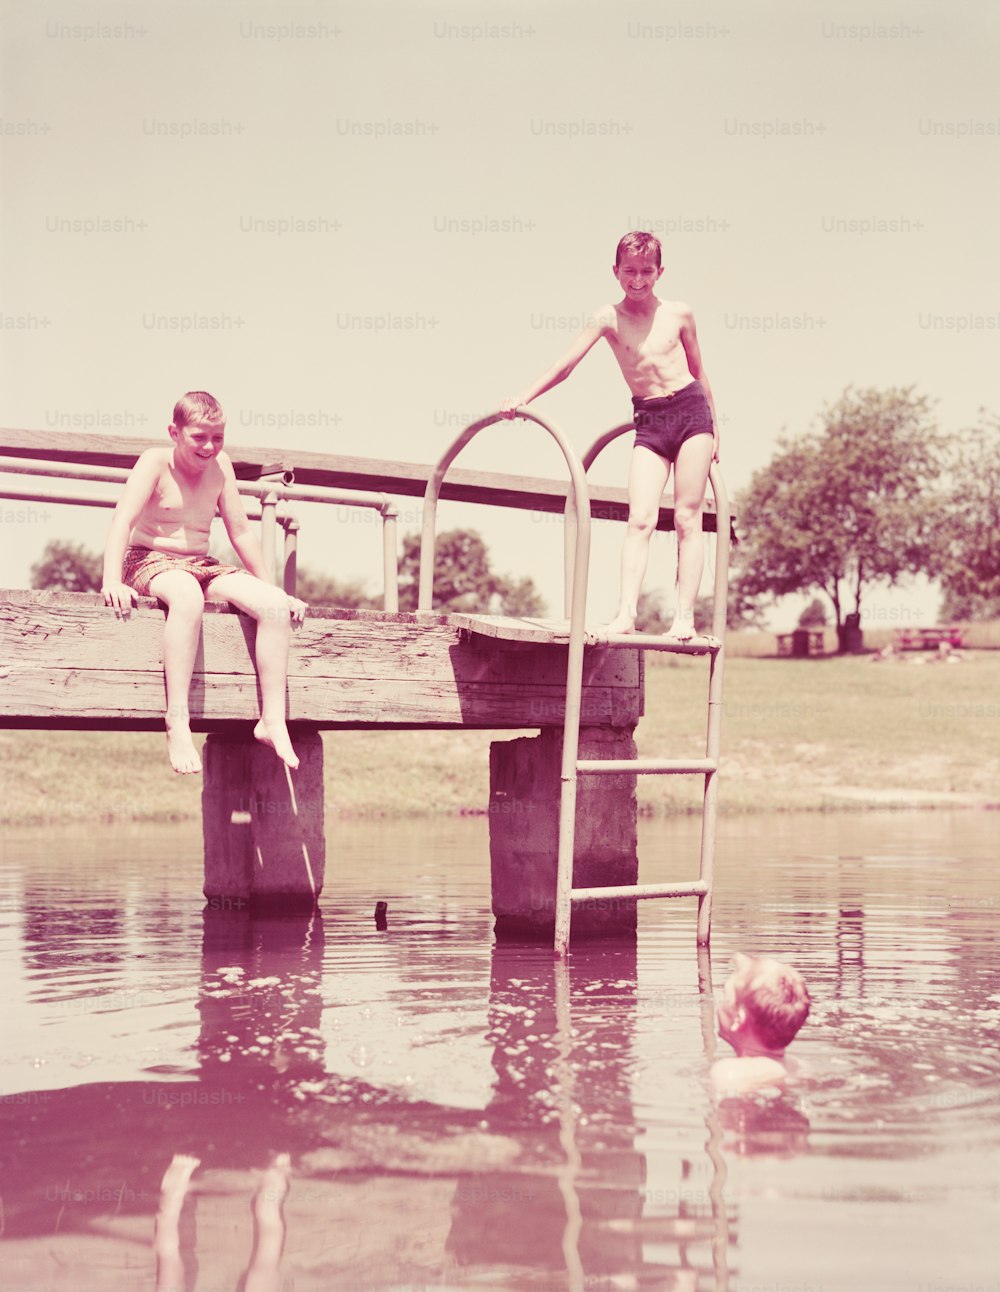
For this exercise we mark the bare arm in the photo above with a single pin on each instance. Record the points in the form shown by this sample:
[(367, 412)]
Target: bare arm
[(588, 338), (135, 495), (243, 535), (689, 340)]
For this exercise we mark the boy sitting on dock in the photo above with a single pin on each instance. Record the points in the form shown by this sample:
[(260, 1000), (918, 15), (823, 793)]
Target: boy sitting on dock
[(764, 1004), (656, 346), (158, 547)]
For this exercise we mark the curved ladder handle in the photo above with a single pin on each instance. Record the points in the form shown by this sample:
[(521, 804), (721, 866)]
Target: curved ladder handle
[(577, 611), (723, 523), (595, 449), (577, 501)]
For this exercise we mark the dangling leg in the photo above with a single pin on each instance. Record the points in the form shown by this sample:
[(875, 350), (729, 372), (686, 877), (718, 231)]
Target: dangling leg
[(185, 602), (269, 606)]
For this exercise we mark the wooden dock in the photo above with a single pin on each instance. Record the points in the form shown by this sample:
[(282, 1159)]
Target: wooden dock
[(67, 661), (70, 662)]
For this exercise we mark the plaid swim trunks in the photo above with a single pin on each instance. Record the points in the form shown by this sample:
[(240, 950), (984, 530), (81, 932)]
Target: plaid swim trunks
[(142, 564)]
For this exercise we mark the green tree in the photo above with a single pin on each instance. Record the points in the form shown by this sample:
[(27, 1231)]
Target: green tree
[(852, 504), (814, 615), (651, 613), (652, 616), (968, 546), (69, 566), (463, 580), (321, 590)]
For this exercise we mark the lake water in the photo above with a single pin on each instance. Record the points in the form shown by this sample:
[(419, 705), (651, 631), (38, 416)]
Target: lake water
[(466, 1115)]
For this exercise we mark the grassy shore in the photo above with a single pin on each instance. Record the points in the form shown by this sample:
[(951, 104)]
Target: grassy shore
[(821, 734)]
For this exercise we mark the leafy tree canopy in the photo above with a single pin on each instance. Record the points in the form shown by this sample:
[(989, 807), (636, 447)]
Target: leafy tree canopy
[(463, 579), (69, 566), (968, 538), (851, 504), (814, 615)]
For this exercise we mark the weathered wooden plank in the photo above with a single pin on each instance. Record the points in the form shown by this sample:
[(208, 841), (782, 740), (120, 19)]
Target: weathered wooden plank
[(555, 632), (340, 471), (328, 645), (110, 697), (69, 660)]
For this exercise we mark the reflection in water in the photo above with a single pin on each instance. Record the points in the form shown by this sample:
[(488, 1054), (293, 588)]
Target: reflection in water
[(261, 999), (461, 1115), (263, 1273), (581, 1213), (773, 1124)]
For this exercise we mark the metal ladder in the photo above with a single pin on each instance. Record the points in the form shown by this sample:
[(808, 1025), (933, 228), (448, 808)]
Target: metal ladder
[(577, 557), (573, 766)]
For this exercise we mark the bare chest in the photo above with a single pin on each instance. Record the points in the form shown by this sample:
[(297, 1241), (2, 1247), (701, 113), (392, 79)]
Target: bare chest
[(656, 337), (175, 496)]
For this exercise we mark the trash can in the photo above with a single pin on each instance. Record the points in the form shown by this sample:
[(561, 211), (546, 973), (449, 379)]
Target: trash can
[(800, 643), (854, 638)]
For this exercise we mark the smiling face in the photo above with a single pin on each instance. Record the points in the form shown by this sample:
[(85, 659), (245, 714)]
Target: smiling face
[(637, 273), (198, 444)]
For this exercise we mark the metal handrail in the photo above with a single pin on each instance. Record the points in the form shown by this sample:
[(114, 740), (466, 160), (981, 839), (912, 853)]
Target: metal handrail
[(268, 493), (577, 630)]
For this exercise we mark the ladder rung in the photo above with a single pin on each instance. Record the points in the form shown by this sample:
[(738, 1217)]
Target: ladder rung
[(700, 645), (645, 766), (697, 888)]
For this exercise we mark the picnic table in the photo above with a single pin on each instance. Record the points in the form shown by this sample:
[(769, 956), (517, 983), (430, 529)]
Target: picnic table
[(801, 642), (928, 638)]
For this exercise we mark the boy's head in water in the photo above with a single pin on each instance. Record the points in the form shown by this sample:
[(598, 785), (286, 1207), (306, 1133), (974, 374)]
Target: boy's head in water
[(764, 1003)]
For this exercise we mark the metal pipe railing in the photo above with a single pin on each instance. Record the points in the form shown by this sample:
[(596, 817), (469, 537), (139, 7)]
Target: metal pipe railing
[(269, 494), (713, 734), (577, 631), (569, 521)]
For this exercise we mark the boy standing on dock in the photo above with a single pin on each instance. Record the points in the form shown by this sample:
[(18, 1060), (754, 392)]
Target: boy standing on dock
[(656, 346), (158, 547)]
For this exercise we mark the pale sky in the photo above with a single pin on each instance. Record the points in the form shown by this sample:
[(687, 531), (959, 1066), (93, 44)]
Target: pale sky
[(450, 182)]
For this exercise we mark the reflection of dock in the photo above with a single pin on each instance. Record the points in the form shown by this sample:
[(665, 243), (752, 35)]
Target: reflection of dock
[(546, 1174)]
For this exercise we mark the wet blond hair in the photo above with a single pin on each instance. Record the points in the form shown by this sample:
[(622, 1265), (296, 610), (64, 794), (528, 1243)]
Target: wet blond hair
[(776, 1000)]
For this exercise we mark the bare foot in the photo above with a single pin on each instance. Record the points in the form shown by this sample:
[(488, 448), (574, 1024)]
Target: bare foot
[(275, 736), (682, 629), (622, 623), (183, 755), (178, 1174)]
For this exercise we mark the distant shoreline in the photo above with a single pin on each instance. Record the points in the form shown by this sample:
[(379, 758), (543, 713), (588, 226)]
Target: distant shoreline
[(838, 734)]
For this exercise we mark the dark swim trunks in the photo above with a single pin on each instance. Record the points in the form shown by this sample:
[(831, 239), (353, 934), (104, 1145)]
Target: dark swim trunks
[(664, 422), (143, 564)]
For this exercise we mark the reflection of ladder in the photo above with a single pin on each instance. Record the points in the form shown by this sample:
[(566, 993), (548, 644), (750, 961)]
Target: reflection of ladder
[(577, 564)]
